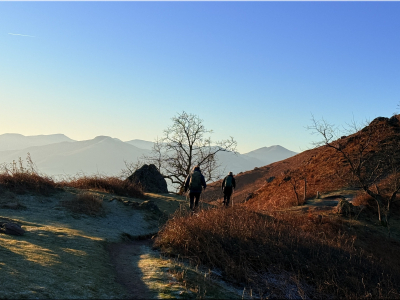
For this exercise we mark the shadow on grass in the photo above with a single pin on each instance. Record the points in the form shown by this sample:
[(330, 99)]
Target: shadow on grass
[(246, 246), (50, 262)]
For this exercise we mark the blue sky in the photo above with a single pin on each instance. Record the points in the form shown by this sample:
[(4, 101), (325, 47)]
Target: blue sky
[(252, 70)]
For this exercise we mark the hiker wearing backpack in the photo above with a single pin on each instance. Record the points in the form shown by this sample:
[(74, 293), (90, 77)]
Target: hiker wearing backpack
[(194, 182), (228, 184)]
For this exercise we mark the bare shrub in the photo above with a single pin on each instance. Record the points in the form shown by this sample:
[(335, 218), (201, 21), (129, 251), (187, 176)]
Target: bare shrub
[(19, 179), (372, 156), (85, 203), (362, 199), (112, 185), (245, 245)]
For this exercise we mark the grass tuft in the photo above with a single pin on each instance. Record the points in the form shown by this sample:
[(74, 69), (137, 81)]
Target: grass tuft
[(19, 179)]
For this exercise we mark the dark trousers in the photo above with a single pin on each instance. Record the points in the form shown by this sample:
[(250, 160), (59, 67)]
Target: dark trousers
[(194, 200), (227, 195)]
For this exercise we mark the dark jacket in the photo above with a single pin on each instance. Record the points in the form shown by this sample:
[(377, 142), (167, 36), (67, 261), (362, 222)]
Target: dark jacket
[(233, 182), (187, 181)]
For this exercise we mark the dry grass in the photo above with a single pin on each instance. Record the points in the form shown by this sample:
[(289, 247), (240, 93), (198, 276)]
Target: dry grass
[(246, 245), (327, 170), (100, 183), (364, 199), (85, 203), (19, 179), (324, 168)]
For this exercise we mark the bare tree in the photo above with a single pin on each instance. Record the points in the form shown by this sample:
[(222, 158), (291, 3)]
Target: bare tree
[(372, 157), (294, 178), (187, 143)]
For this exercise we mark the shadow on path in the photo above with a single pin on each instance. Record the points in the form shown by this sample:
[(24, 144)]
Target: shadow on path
[(125, 257)]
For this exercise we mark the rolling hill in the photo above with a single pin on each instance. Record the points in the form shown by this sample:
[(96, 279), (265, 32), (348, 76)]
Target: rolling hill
[(323, 167)]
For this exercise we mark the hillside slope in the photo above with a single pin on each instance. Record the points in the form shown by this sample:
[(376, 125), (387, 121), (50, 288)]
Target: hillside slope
[(320, 166)]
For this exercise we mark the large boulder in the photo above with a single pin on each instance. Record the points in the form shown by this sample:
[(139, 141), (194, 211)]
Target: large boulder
[(150, 179)]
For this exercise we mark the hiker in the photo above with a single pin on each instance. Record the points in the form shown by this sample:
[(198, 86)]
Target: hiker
[(194, 181), (228, 184)]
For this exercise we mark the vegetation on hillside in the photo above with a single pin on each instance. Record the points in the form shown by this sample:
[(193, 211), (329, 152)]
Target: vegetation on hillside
[(20, 177), (367, 160), (371, 157), (247, 246), (327, 255), (108, 184), (254, 243)]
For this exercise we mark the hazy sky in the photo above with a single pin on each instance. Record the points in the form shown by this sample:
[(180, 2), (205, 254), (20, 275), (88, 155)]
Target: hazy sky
[(253, 70)]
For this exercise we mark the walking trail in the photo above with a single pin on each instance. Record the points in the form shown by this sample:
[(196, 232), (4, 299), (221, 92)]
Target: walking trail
[(69, 255)]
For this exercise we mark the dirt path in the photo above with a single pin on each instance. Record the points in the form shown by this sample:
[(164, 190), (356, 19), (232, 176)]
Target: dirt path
[(68, 255), (125, 258), (64, 254)]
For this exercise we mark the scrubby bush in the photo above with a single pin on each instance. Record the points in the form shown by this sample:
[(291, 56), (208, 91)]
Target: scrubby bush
[(245, 245), (113, 185), (363, 198)]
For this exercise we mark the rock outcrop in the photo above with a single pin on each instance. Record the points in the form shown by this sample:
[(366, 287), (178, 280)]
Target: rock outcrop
[(150, 179), (345, 208)]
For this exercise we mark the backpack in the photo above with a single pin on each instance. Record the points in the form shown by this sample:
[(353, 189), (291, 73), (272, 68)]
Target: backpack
[(12, 228), (228, 181), (195, 181)]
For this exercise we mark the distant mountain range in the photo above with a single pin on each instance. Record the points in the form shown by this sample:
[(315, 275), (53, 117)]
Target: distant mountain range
[(58, 155), (15, 141)]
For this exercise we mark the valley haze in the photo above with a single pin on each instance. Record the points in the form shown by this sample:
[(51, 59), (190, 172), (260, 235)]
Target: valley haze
[(58, 155)]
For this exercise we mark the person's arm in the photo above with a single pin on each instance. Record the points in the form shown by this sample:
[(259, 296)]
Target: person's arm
[(234, 182), (223, 184), (187, 182), (203, 181)]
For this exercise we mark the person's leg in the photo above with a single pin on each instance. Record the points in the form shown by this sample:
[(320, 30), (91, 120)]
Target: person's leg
[(191, 196), (228, 198), (227, 195), (197, 195)]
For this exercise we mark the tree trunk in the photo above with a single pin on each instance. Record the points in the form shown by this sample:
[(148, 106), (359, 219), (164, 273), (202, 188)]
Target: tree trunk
[(379, 211), (378, 198)]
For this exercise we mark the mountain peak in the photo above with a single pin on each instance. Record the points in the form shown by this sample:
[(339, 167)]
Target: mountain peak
[(102, 137), (271, 154)]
